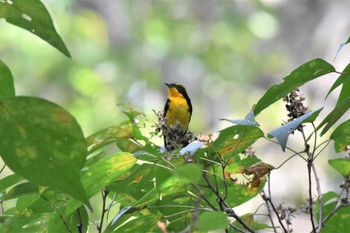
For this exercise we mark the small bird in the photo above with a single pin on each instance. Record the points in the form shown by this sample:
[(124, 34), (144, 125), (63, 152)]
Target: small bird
[(177, 112)]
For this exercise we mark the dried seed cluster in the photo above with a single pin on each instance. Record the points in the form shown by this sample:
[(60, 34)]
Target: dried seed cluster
[(295, 105), (174, 135)]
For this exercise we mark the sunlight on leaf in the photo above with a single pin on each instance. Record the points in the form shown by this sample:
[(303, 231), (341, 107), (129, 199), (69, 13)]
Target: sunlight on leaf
[(342, 165)]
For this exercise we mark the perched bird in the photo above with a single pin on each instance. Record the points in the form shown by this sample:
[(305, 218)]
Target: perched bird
[(177, 113)]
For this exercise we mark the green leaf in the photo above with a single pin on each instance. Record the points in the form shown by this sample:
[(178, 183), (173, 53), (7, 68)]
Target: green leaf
[(342, 165), (303, 74), (24, 202), (341, 135), (128, 145), (21, 190), (175, 190), (210, 221), (7, 88), (339, 222), (139, 224), (235, 139), (250, 221), (189, 173), (110, 135), (9, 181), (343, 101), (49, 201), (328, 199), (245, 178), (55, 223), (33, 16), (137, 183), (341, 79), (335, 115), (130, 112), (26, 221), (106, 171), (43, 143), (282, 133)]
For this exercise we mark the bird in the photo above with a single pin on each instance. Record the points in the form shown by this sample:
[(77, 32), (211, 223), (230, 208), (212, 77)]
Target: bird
[(177, 113)]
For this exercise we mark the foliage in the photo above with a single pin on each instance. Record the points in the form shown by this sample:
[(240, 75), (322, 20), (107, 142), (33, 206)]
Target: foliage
[(144, 188)]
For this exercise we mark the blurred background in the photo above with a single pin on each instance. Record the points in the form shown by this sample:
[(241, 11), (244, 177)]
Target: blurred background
[(227, 54)]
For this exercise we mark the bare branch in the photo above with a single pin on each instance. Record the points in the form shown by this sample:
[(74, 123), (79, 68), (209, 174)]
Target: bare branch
[(104, 210)]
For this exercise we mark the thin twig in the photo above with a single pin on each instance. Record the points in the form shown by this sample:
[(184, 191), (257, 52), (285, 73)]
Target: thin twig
[(236, 228), (323, 148), (288, 148), (278, 217), (104, 197), (310, 161), (285, 161), (198, 189), (2, 169), (268, 200), (269, 214), (224, 206), (223, 166), (309, 165), (195, 215), (319, 197)]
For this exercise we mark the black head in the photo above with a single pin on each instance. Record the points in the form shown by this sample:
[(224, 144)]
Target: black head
[(180, 88)]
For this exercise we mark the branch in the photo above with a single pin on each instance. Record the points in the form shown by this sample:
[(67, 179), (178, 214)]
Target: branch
[(223, 204), (104, 197), (263, 195), (198, 189), (2, 169), (319, 197), (309, 165), (269, 202)]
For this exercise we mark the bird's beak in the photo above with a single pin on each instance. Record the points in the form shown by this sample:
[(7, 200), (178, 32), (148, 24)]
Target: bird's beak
[(168, 85)]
